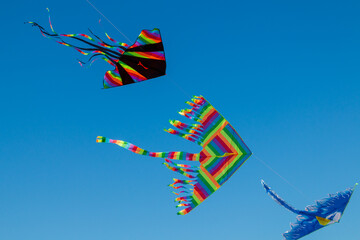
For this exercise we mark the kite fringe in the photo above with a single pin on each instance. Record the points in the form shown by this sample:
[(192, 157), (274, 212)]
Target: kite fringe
[(186, 172), (109, 52), (186, 201), (186, 187), (192, 132)]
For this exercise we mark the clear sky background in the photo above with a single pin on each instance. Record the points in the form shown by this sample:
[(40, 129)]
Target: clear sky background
[(284, 73)]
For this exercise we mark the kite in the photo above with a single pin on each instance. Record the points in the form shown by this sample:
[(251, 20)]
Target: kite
[(223, 152), (143, 60), (323, 213)]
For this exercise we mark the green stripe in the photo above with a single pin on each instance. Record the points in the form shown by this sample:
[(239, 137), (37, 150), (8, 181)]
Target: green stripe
[(145, 39), (211, 153), (196, 200), (210, 162), (202, 177), (229, 167), (205, 111), (213, 161), (212, 131), (124, 65), (134, 54), (213, 149), (221, 176), (232, 138), (208, 180)]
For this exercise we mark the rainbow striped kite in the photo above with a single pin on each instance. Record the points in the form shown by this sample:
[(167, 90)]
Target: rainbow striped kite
[(223, 153), (143, 60)]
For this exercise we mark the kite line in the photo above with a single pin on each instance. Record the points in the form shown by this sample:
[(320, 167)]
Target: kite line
[(108, 20), (283, 178)]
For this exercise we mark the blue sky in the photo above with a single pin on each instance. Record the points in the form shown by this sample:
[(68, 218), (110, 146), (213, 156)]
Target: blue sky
[(284, 73)]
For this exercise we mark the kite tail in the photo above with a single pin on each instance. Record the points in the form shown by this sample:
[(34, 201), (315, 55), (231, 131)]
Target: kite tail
[(185, 187), (110, 53), (188, 171), (137, 150), (279, 200)]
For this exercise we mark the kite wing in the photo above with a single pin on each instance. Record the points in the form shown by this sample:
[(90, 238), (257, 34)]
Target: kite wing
[(323, 213), (223, 153), (143, 60)]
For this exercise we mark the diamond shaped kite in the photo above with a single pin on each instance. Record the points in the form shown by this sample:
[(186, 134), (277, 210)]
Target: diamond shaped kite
[(223, 153)]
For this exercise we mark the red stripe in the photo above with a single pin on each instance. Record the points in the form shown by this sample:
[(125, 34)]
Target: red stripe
[(113, 80), (151, 36), (223, 162), (208, 118), (199, 189), (224, 144)]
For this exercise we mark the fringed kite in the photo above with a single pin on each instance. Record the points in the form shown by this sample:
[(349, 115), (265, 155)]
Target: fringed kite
[(323, 213), (223, 153), (143, 60)]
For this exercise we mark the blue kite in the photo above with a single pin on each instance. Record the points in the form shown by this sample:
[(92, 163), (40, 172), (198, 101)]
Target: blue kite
[(323, 213)]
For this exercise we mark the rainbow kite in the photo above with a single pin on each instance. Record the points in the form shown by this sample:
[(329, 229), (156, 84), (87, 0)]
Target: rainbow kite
[(323, 213), (143, 60), (223, 153)]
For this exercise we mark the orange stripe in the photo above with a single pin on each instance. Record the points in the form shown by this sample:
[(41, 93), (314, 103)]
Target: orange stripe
[(151, 56), (228, 162), (194, 157), (116, 80), (210, 177), (198, 195), (151, 37), (206, 152), (207, 115), (230, 145), (113, 78), (216, 133), (134, 73), (207, 159), (208, 156)]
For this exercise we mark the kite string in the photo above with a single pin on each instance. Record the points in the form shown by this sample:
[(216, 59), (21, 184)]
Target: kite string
[(180, 88), (283, 178), (108, 20)]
